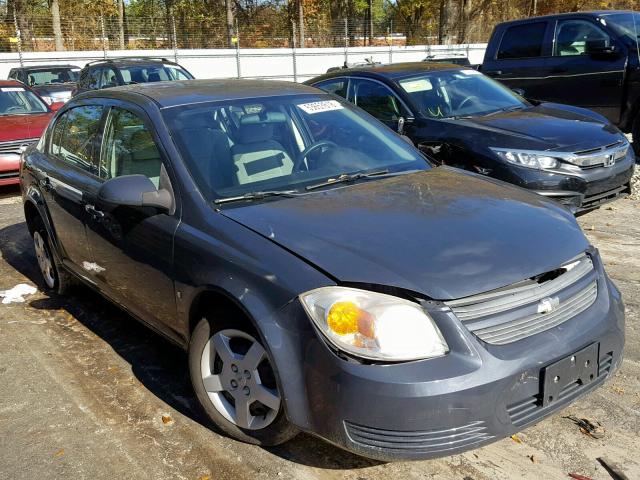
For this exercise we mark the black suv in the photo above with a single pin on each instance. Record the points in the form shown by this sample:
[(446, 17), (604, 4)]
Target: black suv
[(54, 83), (127, 71), (462, 118)]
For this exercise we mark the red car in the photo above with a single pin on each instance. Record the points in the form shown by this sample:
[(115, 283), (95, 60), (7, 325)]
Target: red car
[(23, 118)]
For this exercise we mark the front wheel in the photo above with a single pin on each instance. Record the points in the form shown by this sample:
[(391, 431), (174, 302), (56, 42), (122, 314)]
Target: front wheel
[(235, 382)]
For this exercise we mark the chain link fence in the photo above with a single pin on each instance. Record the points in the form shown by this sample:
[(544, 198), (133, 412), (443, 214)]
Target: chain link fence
[(36, 33)]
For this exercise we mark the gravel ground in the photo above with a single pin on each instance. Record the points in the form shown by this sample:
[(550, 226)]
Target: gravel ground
[(87, 392)]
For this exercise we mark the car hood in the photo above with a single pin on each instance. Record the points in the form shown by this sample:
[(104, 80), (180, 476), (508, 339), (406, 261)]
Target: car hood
[(441, 233), (18, 127), (546, 126)]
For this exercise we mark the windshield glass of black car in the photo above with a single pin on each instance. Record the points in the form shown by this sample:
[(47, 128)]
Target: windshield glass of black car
[(459, 93), (283, 143)]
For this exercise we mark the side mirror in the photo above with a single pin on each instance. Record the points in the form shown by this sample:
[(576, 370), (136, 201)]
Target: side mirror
[(134, 191), (599, 46), (56, 106), (518, 91)]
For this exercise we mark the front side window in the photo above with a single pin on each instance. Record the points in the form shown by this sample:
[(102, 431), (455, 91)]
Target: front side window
[(75, 136), (337, 87), (282, 143), (458, 93), (522, 41), (573, 37), (152, 73), (129, 148), (19, 101), (108, 78), (378, 100)]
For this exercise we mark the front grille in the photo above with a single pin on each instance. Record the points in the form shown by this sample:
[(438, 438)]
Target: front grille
[(419, 441), (518, 311), (597, 157), (527, 410), (592, 201), (10, 174), (16, 147)]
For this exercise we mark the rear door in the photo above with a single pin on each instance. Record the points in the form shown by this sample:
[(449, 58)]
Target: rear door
[(71, 175), (520, 58), (579, 78)]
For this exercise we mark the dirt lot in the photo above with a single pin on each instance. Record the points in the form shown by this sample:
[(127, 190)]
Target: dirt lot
[(87, 392)]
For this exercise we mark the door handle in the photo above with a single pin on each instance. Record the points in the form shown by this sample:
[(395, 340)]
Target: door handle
[(93, 211), (497, 73)]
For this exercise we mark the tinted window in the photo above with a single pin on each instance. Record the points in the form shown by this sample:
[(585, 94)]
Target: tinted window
[(152, 73), (75, 136), (522, 41), (337, 87), (378, 100), (56, 75), (107, 78), (93, 78), (572, 37), (129, 148)]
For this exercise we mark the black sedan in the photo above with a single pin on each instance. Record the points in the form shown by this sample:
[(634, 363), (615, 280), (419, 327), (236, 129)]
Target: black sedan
[(462, 118), (322, 275)]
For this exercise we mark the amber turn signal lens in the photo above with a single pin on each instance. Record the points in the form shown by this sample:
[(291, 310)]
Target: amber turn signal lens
[(346, 318)]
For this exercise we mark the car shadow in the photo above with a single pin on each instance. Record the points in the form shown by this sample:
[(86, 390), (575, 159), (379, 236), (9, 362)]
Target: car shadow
[(157, 363)]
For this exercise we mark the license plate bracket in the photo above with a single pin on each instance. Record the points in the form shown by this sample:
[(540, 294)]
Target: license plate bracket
[(580, 367)]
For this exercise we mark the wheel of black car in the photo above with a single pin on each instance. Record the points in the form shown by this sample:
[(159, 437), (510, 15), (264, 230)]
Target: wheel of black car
[(55, 277), (235, 382)]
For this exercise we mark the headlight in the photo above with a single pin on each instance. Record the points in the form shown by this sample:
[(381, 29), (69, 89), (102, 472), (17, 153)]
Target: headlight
[(373, 325), (526, 158)]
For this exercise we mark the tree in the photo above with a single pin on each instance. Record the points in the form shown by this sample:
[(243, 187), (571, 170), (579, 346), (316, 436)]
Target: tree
[(121, 35)]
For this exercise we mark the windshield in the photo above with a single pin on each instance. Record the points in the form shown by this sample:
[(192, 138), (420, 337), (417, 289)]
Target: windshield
[(153, 73), (282, 143), (54, 75), (18, 101), (458, 93)]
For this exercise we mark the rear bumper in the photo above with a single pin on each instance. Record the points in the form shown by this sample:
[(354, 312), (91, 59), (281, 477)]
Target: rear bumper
[(476, 394)]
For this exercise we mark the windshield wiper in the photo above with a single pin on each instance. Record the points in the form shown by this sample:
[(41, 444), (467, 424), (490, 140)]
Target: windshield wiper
[(258, 196), (505, 109), (352, 177)]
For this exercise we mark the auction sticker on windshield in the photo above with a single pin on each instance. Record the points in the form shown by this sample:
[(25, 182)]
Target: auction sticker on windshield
[(318, 107), (12, 89)]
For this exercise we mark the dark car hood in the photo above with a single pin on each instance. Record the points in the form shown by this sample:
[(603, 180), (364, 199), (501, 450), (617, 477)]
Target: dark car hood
[(548, 127), (441, 233), (19, 127)]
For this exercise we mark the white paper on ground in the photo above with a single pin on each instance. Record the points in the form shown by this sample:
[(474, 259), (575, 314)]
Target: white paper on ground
[(17, 293)]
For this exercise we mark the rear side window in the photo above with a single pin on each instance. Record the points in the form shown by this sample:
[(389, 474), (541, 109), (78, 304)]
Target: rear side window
[(522, 41), (337, 87), (75, 136), (129, 148)]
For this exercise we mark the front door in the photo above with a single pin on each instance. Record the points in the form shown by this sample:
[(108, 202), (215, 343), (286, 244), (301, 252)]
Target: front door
[(578, 77), (70, 177), (133, 247)]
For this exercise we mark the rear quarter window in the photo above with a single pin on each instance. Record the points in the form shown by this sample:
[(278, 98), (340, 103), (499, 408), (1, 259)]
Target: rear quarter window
[(522, 41)]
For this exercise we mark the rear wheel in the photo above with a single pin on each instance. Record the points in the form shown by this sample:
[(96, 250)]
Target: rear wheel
[(56, 278), (235, 381)]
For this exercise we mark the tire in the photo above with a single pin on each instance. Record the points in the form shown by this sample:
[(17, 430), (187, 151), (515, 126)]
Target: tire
[(55, 276), (221, 353)]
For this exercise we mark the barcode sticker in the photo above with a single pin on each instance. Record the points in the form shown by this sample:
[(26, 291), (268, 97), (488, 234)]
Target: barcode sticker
[(318, 107)]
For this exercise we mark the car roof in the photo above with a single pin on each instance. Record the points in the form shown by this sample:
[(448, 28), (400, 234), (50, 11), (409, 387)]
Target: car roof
[(396, 70), (47, 67), (590, 13), (131, 61), (184, 92)]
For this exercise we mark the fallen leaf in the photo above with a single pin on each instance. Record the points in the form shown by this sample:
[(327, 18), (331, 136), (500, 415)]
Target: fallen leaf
[(577, 476), (516, 438), (166, 419), (205, 477), (60, 452)]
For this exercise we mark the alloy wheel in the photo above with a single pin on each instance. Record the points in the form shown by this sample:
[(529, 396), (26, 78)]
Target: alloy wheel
[(45, 262), (239, 379)]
